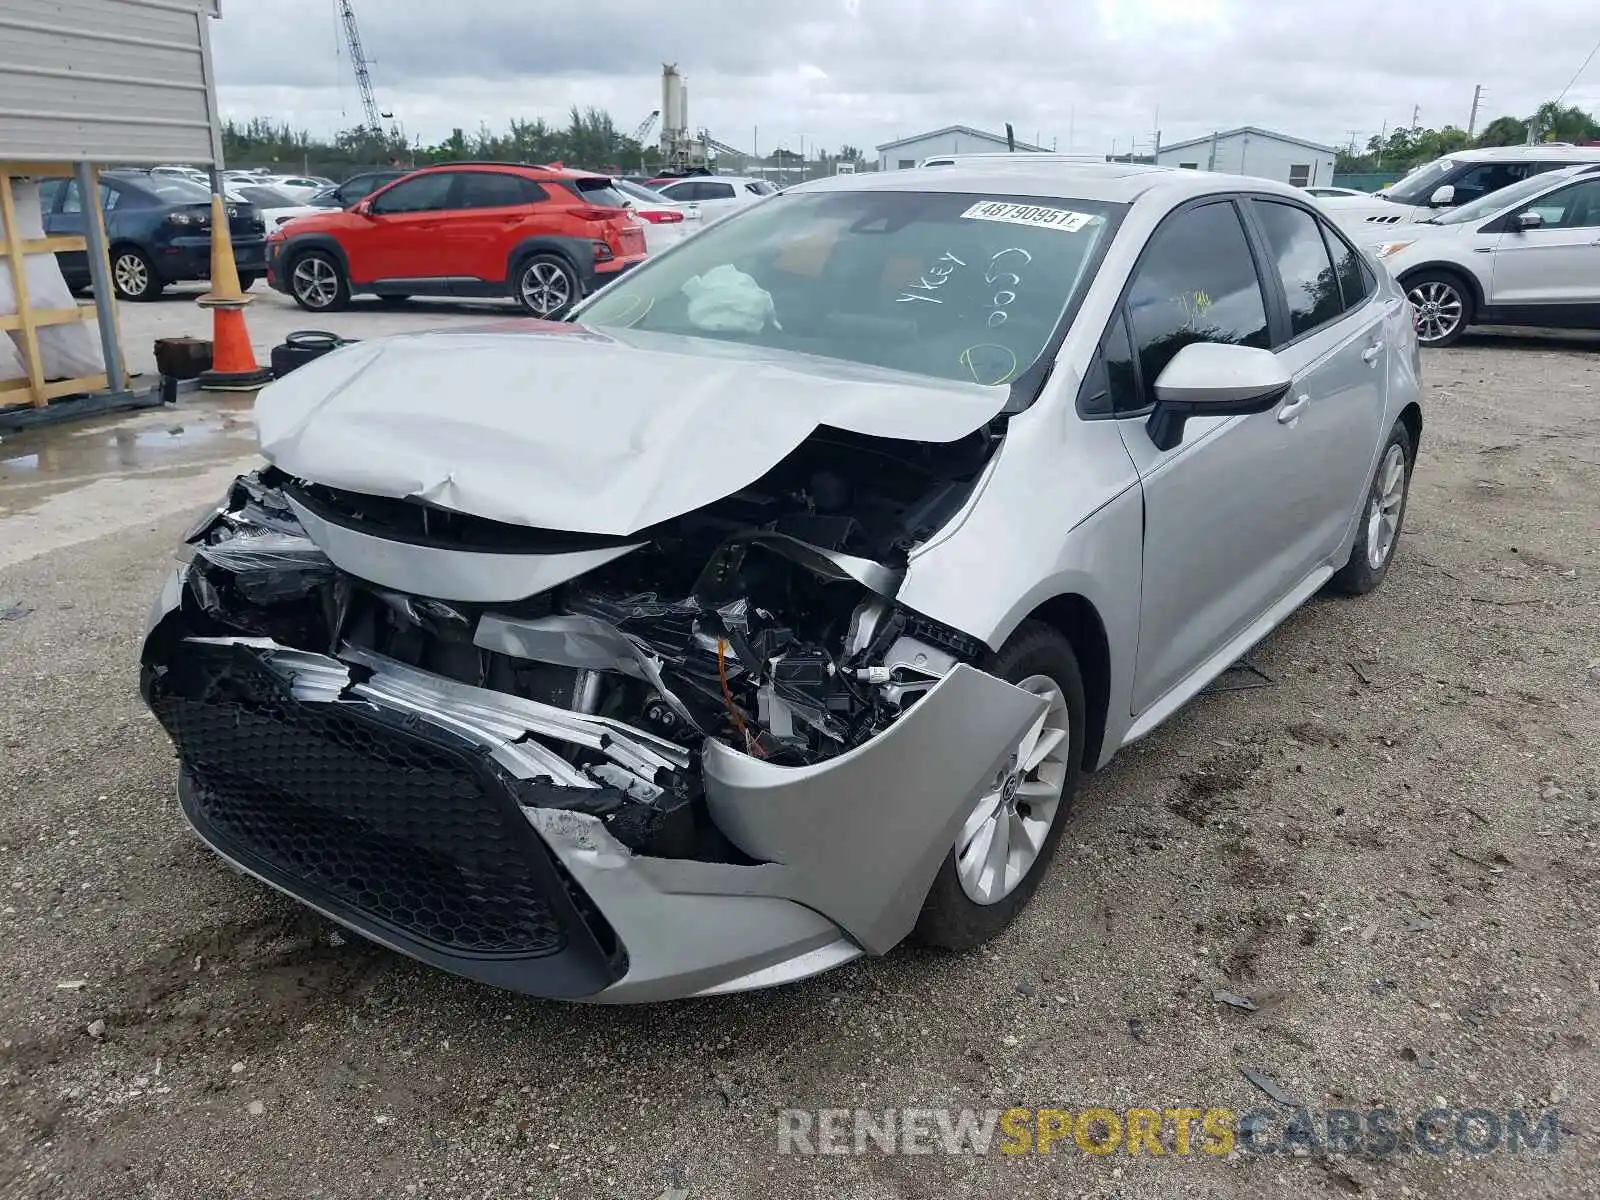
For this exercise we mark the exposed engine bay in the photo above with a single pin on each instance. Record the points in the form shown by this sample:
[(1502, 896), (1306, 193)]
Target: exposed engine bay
[(766, 621)]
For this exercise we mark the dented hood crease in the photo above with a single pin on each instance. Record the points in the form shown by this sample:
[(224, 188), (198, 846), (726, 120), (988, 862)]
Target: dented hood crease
[(559, 427)]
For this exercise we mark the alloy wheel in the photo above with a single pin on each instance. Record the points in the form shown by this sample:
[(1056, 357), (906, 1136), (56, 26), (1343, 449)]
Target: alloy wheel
[(546, 289), (1383, 513), (1439, 310), (316, 282), (1001, 838), (131, 274)]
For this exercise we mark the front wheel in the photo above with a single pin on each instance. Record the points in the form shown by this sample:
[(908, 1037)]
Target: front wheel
[(1009, 836), (317, 283), (546, 286), (1442, 306), (1382, 516)]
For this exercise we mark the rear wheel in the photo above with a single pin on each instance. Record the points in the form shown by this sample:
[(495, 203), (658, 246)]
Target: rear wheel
[(317, 282), (1443, 306), (546, 286), (1009, 836), (133, 275), (1382, 516)]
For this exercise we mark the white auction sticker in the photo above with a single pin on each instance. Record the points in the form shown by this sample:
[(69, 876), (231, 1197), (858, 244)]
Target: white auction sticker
[(1036, 215)]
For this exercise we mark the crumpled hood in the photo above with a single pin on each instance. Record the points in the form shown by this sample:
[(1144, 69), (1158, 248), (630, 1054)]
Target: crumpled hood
[(559, 427)]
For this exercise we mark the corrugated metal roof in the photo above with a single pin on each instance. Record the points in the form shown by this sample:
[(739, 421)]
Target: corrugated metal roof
[(1255, 131), (109, 81), (998, 139)]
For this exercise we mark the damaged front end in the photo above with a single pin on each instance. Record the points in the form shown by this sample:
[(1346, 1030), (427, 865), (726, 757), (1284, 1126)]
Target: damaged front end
[(713, 754)]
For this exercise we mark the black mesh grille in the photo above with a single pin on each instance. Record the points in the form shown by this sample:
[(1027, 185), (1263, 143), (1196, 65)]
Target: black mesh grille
[(362, 811)]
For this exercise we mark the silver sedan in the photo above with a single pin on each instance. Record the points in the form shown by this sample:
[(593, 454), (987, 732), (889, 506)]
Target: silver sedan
[(940, 488)]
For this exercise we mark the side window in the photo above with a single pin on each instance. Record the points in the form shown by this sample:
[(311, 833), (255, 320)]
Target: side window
[(492, 189), (426, 193), (50, 194), (1196, 283), (1112, 384), (1310, 285), (1356, 281), (1575, 207), (109, 197), (716, 191), (72, 198), (1485, 178), (681, 192)]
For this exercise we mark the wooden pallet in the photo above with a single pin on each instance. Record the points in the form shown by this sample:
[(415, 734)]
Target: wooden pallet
[(29, 320)]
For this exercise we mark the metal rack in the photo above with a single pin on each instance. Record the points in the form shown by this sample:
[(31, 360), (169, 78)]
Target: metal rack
[(28, 320)]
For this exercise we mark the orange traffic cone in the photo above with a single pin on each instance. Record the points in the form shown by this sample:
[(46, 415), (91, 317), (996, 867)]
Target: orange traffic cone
[(233, 361)]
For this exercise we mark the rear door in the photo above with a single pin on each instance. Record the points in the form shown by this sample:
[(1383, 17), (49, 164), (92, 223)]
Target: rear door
[(489, 212), (402, 236), (68, 219), (1225, 533), (1333, 344), (1557, 263)]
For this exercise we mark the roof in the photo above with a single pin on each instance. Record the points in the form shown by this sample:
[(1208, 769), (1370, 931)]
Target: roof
[(1251, 129), (998, 139), (1113, 183), (1545, 152)]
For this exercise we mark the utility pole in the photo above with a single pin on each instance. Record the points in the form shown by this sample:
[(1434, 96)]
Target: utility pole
[(1472, 121), (1416, 118)]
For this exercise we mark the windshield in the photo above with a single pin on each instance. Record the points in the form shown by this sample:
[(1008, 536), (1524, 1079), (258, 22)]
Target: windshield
[(639, 195), (946, 284), (1495, 202), (1418, 186)]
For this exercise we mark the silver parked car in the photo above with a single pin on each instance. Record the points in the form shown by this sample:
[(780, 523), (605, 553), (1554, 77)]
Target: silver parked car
[(946, 486), (1526, 255)]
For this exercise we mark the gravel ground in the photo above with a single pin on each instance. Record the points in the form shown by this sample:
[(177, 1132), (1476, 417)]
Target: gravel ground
[(1391, 849)]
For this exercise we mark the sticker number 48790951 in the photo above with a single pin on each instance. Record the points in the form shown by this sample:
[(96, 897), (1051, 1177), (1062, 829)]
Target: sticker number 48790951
[(1036, 215)]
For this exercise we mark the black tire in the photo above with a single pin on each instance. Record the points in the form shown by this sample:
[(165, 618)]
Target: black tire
[(1451, 293), (546, 286), (1361, 574), (248, 280), (301, 347), (317, 282), (950, 918), (133, 275)]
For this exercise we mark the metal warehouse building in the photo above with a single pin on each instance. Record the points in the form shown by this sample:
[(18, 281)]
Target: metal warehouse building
[(953, 139), (1251, 151)]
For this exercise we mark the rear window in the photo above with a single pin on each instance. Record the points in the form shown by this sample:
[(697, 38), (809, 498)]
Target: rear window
[(761, 188), (599, 191), (175, 189), (953, 285)]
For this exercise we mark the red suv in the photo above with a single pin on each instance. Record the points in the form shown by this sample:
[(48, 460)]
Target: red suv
[(545, 236)]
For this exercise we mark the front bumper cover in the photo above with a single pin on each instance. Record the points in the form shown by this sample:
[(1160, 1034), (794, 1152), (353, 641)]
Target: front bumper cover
[(400, 805)]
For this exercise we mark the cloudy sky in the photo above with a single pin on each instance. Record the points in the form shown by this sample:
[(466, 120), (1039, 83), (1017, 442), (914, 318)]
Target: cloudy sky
[(1088, 73)]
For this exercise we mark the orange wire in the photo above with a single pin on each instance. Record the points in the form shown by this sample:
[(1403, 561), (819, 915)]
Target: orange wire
[(734, 714)]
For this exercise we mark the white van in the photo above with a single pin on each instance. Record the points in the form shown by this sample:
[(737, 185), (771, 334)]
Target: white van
[(1452, 180)]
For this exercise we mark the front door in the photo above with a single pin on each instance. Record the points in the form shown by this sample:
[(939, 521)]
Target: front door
[(1559, 261), (402, 236), (1226, 533)]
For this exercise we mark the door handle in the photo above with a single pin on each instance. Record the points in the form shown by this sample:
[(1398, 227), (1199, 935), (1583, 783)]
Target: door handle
[(1290, 413), (1370, 354)]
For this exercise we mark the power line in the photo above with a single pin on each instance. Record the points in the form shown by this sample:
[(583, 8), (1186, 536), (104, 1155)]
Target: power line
[(1578, 72)]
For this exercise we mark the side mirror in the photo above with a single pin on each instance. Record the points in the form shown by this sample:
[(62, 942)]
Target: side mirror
[(1213, 379), (1443, 197), (1529, 220)]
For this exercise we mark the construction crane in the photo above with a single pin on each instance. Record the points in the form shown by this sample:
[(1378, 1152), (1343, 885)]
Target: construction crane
[(646, 125), (358, 58)]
